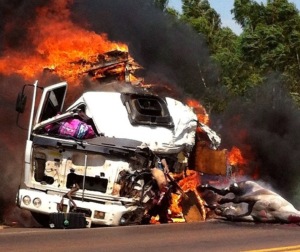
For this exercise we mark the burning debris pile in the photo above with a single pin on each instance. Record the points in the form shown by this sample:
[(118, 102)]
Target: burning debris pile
[(59, 45), (110, 66)]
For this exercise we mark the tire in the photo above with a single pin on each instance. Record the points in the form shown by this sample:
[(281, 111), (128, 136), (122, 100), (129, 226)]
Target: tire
[(42, 219)]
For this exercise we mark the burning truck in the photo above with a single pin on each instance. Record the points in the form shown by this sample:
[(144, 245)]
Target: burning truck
[(112, 158)]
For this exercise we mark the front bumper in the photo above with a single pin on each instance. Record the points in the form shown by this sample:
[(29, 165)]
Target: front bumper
[(102, 212)]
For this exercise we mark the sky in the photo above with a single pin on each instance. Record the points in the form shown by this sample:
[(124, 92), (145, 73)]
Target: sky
[(223, 7)]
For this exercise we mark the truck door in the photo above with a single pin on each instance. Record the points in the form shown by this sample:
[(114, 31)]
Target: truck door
[(52, 101)]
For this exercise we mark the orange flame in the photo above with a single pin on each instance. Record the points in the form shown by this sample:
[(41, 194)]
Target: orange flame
[(199, 110), (188, 183), (241, 161), (235, 157), (58, 43), (175, 208)]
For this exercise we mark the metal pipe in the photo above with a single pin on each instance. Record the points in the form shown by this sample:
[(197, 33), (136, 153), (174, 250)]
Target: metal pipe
[(83, 183)]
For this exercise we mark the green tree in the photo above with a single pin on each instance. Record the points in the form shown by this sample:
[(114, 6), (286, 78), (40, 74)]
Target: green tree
[(270, 40), (204, 19), (248, 13), (236, 75)]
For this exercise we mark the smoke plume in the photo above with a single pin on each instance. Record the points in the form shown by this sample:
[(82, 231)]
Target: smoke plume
[(170, 51), (265, 126)]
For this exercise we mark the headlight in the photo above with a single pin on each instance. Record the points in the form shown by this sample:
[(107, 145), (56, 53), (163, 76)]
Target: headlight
[(26, 200), (37, 202), (122, 221)]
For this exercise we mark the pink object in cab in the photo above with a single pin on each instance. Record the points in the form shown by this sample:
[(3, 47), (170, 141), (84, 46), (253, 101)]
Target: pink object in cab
[(76, 128)]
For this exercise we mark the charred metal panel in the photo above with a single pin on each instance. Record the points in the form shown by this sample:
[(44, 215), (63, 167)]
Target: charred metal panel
[(210, 161)]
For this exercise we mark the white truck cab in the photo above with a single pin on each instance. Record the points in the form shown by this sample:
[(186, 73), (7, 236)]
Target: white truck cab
[(118, 139)]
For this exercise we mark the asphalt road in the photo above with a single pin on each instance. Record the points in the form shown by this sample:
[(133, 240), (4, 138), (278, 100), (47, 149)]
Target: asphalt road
[(200, 236)]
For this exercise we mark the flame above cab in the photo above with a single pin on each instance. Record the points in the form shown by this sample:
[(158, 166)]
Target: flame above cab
[(57, 43)]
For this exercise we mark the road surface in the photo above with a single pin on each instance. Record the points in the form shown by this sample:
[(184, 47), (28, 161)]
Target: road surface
[(201, 236)]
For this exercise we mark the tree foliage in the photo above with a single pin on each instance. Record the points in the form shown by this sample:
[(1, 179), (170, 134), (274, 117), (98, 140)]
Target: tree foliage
[(201, 17), (269, 42)]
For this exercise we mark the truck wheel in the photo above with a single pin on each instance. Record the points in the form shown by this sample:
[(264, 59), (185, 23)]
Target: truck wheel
[(42, 219)]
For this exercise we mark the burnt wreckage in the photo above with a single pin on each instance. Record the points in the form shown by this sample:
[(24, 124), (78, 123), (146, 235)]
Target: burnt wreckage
[(102, 159)]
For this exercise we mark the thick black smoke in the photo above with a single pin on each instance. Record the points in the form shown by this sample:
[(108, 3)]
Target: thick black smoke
[(169, 51), (265, 126), (15, 17), (12, 142)]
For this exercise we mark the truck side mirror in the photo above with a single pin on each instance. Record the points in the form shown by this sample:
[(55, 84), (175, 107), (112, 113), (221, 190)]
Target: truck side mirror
[(21, 102)]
